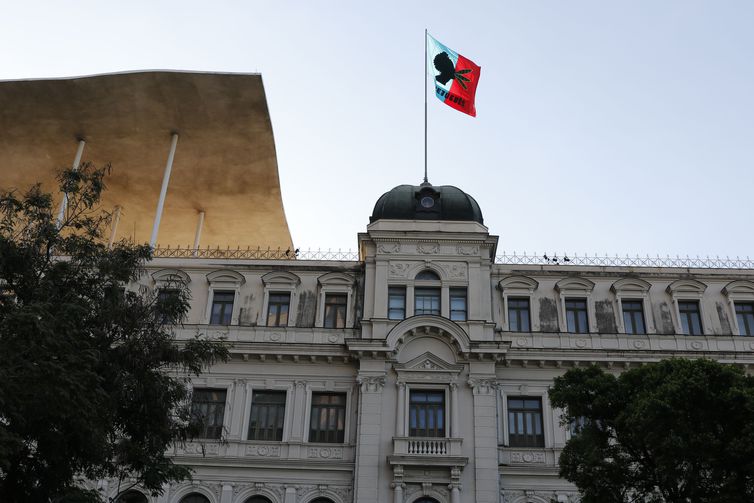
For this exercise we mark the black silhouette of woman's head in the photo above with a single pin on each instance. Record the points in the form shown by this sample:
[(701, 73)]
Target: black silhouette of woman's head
[(445, 66)]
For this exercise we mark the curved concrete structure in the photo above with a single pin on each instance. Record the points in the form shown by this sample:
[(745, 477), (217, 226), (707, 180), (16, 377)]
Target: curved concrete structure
[(224, 164)]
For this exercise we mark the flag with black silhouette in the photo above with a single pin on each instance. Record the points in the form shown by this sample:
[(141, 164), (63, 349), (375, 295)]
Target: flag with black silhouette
[(455, 77)]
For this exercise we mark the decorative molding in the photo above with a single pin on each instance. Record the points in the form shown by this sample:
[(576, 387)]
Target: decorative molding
[(389, 248), (371, 384), (483, 385), (428, 248), (527, 457), (467, 250), (398, 269), (325, 452), (200, 448), (267, 451)]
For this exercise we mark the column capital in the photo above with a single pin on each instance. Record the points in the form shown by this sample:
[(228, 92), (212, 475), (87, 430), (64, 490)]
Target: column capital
[(371, 383), (483, 385)]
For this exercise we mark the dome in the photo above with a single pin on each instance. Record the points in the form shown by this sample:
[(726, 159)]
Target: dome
[(426, 202)]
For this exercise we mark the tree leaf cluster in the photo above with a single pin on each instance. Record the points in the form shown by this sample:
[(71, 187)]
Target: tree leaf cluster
[(676, 431), (92, 381)]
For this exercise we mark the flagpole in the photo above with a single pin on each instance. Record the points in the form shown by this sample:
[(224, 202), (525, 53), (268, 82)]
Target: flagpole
[(425, 106)]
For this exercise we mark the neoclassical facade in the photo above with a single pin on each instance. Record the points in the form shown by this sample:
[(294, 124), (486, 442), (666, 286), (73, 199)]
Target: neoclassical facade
[(419, 372)]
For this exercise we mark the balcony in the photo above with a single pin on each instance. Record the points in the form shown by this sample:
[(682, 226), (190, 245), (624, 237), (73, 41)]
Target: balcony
[(429, 451)]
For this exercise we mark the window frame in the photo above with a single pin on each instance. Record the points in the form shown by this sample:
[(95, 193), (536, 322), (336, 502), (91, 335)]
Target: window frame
[(226, 409), (287, 393), (738, 292), (634, 289), (631, 312), (519, 287), (414, 388), (334, 283), (437, 289), (572, 288), (749, 331), (576, 318), (270, 303), (344, 304), (519, 317), (685, 315), (543, 422), (686, 290), (280, 282), (456, 290), (224, 280), (346, 413), (404, 290), (223, 312)]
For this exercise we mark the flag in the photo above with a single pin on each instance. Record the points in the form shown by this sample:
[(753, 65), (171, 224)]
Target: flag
[(454, 76)]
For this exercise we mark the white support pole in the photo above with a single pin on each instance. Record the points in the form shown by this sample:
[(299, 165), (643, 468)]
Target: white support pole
[(198, 234), (114, 227), (163, 190), (74, 167)]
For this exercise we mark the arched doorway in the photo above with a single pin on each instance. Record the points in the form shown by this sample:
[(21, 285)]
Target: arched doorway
[(131, 496), (426, 500)]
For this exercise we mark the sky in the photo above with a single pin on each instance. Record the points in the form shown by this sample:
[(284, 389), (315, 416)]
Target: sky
[(619, 127)]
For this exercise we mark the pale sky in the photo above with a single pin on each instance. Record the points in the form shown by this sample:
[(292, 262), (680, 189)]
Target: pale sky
[(603, 126)]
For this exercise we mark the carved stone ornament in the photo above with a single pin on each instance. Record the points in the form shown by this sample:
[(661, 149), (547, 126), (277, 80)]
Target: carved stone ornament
[(268, 451), (199, 448), (398, 269), (483, 385), (389, 248), (325, 452), (527, 457), (467, 250), (371, 384), (428, 248)]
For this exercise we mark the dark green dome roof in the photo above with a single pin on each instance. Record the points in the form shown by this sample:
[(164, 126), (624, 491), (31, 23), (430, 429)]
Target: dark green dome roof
[(426, 202)]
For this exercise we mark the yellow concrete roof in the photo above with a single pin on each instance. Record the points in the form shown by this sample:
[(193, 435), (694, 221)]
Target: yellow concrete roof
[(225, 162)]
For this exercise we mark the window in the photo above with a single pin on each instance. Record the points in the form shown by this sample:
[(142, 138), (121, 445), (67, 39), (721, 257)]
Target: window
[(208, 411), (458, 304), (426, 413), (745, 318), (525, 422), (277, 309), (222, 307), (168, 305), (195, 498), (328, 419), (131, 496), (427, 275), (396, 302), (258, 499), (267, 415), (335, 310), (691, 319), (633, 316), (426, 301), (576, 316), (518, 314)]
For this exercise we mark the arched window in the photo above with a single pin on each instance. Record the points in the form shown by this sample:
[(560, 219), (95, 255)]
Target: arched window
[(258, 499), (428, 275), (426, 500), (195, 498), (322, 500), (131, 497)]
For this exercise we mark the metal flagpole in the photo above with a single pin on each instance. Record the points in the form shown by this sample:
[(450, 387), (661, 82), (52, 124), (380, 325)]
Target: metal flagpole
[(425, 106)]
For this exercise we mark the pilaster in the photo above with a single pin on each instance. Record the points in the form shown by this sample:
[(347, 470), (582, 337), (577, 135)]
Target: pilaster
[(368, 442), (485, 438)]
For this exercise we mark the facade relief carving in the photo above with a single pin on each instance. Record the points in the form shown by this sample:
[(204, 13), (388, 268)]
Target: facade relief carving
[(399, 269), (389, 248), (467, 250), (428, 248), (199, 448), (371, 384), (325, 452), (483, 385), (527, 457), (269, 451)]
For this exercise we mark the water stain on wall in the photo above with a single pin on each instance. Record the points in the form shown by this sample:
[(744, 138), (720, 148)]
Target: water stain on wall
[(605, 317), (548, 315), (307, 309)]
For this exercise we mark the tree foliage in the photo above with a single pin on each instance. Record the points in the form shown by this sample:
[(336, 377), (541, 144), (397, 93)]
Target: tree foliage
[(674, 431), (92, 383)]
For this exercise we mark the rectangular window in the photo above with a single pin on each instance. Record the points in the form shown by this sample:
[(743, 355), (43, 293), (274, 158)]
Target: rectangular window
[(335, 310), (525, 427), (267, 415), (745, 318), (208, 411), (633, 316), (691, 317), (167, 305), (426, 413), (427, 301), (458, 304), (328, 419), (277, 309), (222, 307), (576, 316), (396, 302), (518, 314)]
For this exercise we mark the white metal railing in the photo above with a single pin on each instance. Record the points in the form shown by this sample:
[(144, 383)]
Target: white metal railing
[(426, 446)]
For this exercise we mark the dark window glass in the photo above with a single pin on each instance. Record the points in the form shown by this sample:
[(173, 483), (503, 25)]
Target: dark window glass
[(576, 316), (691, 318), (328, 419), (208, 411), (745, 318), (267, 415), (167, 305), (335, 310), (458, 304), (258, 499), (525, 427), (322, 500), (222, 308), (195, 498), (633, 316), (131, 497), (428, 275), (427, 301), (518, 314), (396, 302), (277, 309), (426, 413)]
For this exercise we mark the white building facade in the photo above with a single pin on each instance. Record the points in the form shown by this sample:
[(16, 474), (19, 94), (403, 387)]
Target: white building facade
[(419, 373)]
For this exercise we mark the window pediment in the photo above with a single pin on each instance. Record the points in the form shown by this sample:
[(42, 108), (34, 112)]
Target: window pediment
[(686, 287), (226, 276), (518, 283), (427, 366), (170, 276), (574, 284), (739, 289), (630, 285), (336, 279), (281, 278)]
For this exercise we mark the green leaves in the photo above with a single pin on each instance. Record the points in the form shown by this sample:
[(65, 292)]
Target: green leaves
[(459, 76), (84, 390), (674, 431)]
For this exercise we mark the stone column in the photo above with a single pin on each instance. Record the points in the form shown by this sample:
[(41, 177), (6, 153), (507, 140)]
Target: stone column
[(290, 494), (400, 415), (368, 442), (454, 421), (455, 485), (299, 414), (226, 495), (398, 484), (486, 473)]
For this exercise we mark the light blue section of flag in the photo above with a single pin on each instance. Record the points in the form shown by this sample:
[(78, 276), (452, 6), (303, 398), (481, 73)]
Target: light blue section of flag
[(433, 49)]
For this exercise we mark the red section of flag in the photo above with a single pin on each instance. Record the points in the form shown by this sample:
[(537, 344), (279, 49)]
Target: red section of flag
[(463, 99)]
